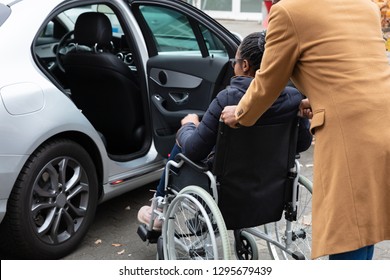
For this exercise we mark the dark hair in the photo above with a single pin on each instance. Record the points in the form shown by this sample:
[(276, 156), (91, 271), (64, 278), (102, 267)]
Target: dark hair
[(252, 48)]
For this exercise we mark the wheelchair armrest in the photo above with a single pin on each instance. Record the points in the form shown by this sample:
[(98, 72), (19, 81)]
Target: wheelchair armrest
[(200, 166)]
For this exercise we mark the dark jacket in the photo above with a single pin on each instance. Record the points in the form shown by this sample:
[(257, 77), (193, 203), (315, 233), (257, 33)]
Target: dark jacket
[(197, 142)]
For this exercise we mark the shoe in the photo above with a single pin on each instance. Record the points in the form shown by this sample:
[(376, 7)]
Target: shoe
[(144, 216)]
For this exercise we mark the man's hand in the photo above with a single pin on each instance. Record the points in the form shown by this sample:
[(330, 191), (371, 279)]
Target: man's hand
[(305, 109), (190, 118), (228, 116)]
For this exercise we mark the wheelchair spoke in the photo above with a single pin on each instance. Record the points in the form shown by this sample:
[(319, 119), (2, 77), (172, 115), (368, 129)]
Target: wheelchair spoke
[(189, 232)]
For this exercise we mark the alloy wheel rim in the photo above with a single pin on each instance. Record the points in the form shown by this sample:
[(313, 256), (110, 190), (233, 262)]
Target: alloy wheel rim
[(59, 200)]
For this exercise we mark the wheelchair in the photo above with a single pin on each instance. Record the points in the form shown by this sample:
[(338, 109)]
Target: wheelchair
[(254, 180)]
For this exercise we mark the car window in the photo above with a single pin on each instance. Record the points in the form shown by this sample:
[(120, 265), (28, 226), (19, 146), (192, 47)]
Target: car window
[(172, 32), (214, 45)]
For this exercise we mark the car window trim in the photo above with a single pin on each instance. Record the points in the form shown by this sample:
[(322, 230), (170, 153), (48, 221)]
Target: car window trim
[(199, 37), (151, 44)]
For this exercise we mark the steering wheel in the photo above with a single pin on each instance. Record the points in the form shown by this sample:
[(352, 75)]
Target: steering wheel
[(63, 49)]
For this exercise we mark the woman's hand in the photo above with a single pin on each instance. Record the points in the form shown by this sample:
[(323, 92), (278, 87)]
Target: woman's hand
[(190, 118)]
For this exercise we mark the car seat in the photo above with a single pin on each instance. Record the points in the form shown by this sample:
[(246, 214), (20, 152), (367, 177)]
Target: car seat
[(103, 87)]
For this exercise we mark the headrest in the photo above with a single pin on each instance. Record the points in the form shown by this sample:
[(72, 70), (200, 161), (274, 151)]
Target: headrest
[(93, 28)]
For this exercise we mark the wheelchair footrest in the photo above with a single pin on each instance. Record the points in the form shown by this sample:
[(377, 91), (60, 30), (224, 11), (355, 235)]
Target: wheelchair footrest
[(148, 235), (298, 256)]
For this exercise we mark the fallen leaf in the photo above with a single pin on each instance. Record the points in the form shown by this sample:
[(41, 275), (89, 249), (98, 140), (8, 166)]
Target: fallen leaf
[(116, 244)]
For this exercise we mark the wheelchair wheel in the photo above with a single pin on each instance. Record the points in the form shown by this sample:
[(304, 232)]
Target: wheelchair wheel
[(301, 237), (246, 247), (194, 228)]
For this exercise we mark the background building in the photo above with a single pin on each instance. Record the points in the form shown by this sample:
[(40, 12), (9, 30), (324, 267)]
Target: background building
[(252, 10)]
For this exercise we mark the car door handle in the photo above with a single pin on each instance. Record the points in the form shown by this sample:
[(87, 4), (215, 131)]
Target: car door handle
[(179, 97), (172, 116)]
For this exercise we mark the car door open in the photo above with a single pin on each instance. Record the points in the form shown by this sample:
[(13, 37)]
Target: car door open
[(188, 66)]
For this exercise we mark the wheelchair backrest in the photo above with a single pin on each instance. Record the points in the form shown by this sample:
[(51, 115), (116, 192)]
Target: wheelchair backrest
[(252, 166)]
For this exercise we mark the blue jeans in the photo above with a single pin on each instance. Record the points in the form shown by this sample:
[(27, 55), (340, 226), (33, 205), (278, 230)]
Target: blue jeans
[(160, 187), (365, 253)]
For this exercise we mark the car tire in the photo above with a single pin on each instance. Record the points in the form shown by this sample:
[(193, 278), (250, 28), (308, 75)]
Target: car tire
[(52, 204)]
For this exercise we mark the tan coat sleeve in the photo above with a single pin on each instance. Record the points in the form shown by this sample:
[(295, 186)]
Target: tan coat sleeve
[(280, 56)]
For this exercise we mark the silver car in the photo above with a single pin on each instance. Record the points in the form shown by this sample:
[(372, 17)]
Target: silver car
[(91, 95)]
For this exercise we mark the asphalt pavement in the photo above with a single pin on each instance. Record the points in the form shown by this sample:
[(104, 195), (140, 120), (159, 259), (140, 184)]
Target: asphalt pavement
[(243, 28), (113, 235)]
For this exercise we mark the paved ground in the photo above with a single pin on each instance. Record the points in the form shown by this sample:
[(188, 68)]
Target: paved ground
[(113, 235), (243, 28)]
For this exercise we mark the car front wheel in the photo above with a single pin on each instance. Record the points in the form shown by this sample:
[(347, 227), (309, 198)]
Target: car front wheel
[(53, 202)]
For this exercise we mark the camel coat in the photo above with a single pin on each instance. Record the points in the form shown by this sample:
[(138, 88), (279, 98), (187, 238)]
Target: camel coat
[(335, 53)]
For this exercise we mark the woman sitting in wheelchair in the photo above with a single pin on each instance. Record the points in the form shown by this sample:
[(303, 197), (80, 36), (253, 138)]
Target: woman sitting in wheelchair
[(196, 139)]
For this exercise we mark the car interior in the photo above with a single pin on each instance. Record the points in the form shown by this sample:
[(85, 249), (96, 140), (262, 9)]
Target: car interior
[(90, 55), (97, 70), (103, 87)]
